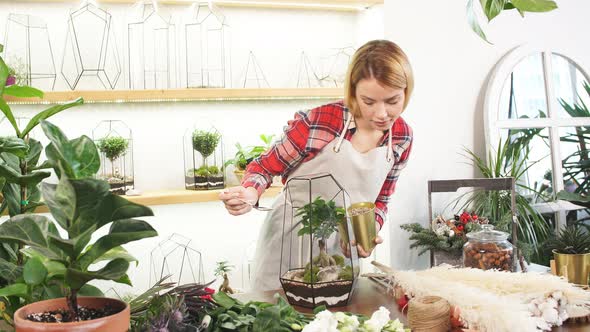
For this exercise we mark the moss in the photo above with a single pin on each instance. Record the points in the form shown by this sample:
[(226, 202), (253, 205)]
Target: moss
[(346, 273), (338, 259)]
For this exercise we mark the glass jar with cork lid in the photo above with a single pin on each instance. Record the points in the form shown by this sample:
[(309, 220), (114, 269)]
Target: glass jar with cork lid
[(488, 249)]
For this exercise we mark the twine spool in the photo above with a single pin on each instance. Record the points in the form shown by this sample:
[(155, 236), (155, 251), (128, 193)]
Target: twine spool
[(429, 314)]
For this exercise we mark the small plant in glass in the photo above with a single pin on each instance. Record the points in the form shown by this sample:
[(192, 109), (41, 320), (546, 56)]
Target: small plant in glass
[(318, 263), (114, 142), (222, 269), (204, 160)]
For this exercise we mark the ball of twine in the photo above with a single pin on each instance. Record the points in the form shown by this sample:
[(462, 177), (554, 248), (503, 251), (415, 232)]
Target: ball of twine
[(429, 314)]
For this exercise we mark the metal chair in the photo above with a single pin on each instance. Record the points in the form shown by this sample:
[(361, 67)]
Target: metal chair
[(446, 186)]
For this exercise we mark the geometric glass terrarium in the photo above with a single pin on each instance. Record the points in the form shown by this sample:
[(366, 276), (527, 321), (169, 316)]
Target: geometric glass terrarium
[(90, 53), (151, 48), (207, 49), (175, 258), (115, 145), (203, 158), (27, 50), (318, 264)]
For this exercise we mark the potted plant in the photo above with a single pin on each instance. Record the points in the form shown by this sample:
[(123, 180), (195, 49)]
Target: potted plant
[(114, 147), (571, 251), (205, 177), (244, 155), (80, 206), (222, 269), (326, 279), (445, 238)]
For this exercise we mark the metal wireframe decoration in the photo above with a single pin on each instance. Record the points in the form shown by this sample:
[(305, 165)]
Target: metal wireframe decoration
[(151, 46), (335, 66), (306, 74), (175, 258), (27, 50), (208, 60), (90, 51), (254, 77), (115, 144)]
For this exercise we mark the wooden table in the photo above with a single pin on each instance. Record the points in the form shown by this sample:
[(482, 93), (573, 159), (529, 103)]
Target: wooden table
[(369, 296)]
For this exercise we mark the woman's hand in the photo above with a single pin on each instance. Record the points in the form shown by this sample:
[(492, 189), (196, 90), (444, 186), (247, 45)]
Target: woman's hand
[(360, 250), (235, 199)]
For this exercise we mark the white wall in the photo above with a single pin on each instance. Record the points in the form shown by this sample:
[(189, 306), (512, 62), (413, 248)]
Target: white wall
[(451, 66)]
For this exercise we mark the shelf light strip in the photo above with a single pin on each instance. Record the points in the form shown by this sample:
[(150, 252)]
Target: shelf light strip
[(289, 4)]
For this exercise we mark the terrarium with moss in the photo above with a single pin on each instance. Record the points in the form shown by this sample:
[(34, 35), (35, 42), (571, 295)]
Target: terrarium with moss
[(115, 144), (318, 263), (203, 159)]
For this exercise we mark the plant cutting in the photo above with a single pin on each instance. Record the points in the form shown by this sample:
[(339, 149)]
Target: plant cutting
[(79, 206), (332, 277), (222, 269), (571, 251)]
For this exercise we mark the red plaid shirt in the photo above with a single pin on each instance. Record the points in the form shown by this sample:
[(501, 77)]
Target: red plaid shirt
[(308, 133)]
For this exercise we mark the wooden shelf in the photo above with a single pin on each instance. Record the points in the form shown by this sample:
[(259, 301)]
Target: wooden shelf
[(172, 95), (335, 5), (167, 197)]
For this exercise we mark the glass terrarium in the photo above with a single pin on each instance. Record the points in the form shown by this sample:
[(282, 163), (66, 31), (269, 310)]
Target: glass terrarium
[(318, 264), (175, 258), (203, 159), (115, 144)]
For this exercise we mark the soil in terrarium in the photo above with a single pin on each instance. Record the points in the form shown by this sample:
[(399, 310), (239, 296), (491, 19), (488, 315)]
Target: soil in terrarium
[(204, 178), (62, 316)]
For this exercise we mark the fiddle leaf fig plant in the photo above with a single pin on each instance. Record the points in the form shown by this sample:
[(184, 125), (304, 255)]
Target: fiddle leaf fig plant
[(80, 206)]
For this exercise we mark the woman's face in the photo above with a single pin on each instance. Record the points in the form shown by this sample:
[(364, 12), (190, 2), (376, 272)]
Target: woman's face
[(379, 105)]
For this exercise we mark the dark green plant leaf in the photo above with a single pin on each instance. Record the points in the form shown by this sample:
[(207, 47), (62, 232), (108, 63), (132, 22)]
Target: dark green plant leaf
[(89, 290), (13, 145), (22, 91), (15, 177), (117, 252), (3, 77), (121, 232), (224, 300), (114, 270), (31, 230), (9, 271), (534, 5), (492, 8), (33, 154), (51, 111), (34, 272)]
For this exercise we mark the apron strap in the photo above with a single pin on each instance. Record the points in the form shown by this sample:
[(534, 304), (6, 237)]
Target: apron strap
[(389, 148)]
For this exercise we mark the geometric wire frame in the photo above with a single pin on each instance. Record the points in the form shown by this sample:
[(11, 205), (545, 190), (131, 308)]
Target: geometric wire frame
[(173, 257), (254, 77), (90, 49), (306, 280), (207, 53), (335, 65), (118, 172), (151, 48), (27, 49), (306, 75)]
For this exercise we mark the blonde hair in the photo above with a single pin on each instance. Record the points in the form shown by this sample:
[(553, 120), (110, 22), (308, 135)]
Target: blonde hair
[(384, 61)]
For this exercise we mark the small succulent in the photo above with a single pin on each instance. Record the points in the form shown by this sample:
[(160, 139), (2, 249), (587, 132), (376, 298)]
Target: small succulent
[(571, 240)]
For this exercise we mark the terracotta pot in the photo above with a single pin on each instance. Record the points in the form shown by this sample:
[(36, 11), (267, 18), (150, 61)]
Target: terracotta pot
[(118, 322)]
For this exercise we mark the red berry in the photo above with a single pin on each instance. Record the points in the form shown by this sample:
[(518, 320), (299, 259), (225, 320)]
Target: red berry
[(402, 302)]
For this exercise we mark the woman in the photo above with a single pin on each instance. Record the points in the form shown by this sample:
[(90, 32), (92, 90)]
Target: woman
[(362, 141)]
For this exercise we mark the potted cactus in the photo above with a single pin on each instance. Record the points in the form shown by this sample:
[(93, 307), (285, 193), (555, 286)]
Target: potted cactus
[(571, 251), (79, 206)]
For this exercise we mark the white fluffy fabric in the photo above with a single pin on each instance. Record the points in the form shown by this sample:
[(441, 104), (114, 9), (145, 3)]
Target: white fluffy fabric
[(490, 301)]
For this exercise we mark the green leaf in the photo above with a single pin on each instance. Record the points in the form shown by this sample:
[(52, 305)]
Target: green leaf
[(49, 113), (31, 230), (114, 270), (6, 109), (77, 158), (492, 8), (33, 154), (23, 91), (14, 290), (1, 48), (114, 207), (534, 5), (9, 271), (13, 145), (15, 177), (60, 200), (224, 300), (3, 76), (117, 252), (89, 290), (121, 232), (473, 23), (34, 272)]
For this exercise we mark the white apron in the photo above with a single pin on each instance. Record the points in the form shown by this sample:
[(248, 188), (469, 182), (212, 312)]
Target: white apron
[(360, 174)]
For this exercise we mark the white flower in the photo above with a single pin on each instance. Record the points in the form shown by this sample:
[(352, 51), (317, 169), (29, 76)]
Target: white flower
[(346, 323), (324, 321), (451, 233), (378, 320), (394, 326)]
